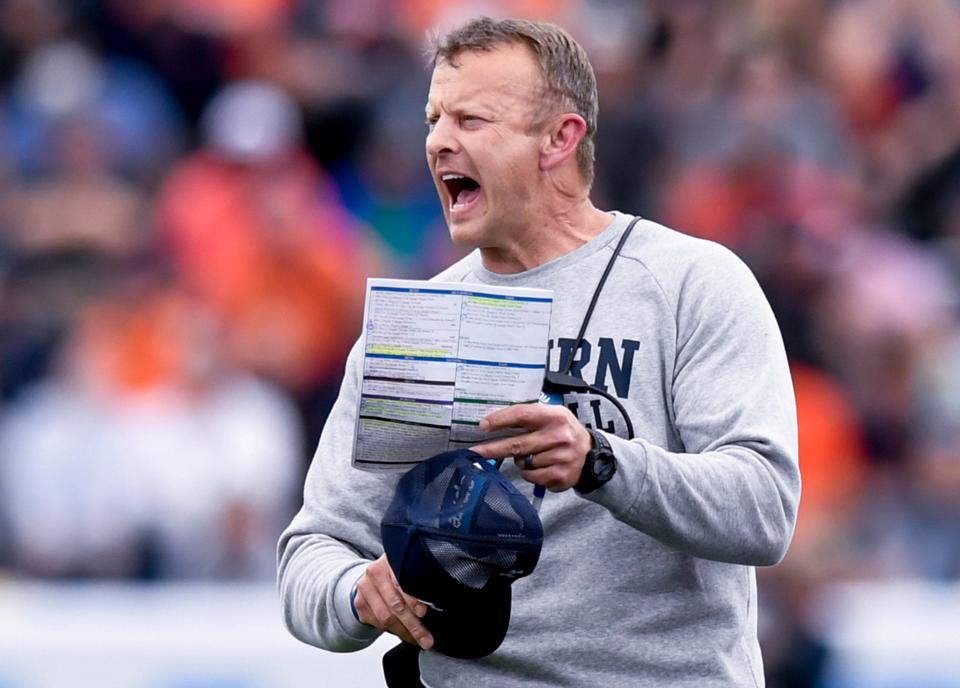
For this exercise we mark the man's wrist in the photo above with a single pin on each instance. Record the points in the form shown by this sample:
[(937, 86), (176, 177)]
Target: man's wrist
[(345, 603), (599, 464)]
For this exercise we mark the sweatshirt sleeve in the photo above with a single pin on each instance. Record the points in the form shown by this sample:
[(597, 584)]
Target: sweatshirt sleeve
[(732, 494), (326, 547)]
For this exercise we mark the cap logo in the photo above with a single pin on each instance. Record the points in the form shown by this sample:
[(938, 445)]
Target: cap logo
[(462, 495)]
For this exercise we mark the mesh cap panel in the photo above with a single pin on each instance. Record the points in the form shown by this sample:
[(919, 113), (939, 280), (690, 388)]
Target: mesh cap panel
[(472, 565)]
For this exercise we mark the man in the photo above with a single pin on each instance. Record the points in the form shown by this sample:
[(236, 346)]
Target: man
[(646, 578)]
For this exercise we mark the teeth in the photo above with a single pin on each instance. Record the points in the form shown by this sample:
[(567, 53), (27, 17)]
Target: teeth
[(448, 177)]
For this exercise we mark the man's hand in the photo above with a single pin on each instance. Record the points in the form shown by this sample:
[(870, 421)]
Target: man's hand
[(557, 441), (381, 603)]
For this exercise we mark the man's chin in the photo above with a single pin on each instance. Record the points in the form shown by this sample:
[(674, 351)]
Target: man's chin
[(466, 234)]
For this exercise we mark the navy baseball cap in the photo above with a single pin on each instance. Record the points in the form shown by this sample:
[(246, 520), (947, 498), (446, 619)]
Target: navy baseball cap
[(457, 534)]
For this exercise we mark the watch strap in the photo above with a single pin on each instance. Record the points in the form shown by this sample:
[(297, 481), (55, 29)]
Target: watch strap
[(599, 466)]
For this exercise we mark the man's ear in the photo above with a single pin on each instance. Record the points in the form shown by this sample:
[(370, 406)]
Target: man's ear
[(561, 139)]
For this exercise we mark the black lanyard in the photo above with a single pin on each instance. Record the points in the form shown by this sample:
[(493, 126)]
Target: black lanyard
[(562, 381)]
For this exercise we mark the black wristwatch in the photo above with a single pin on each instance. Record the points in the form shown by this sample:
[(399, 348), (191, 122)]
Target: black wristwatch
[(599, 466)]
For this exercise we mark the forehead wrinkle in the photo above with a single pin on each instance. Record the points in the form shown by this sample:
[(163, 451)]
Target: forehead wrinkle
[(494, 98)]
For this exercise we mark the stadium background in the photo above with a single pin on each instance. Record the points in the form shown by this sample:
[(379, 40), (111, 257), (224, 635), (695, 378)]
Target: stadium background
[(192, 193)]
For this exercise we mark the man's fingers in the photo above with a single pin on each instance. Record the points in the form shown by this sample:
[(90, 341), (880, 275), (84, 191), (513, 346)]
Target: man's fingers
[(547, 426), (537, 442), (540, 442), (398, 630), (401, 631), (373, 610), (555, 478), (404, 620), (552, 469), (531, 464), (380, 602), (418, 607), (516, 416), (518, 446), (372, 603), (401, 620), (419, 632)]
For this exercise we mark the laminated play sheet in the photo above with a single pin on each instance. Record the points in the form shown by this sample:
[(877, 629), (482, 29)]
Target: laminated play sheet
[(438, 357)]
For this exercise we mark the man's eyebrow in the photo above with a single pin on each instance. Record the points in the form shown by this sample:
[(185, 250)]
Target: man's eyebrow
[(484, 109)]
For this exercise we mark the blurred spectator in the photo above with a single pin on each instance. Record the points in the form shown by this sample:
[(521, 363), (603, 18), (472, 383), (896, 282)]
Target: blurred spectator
[(67, 215), (63, 83), (888, 298), (79, 205), (25, 25), (256, 232), (143, 456), (161, 34), (833, 465), (934, 488), (255, 229), (631, 127), (390, 188), (893, 67), (418, 16)]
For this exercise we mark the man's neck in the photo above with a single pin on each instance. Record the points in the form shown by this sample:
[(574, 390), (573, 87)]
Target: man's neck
[(554, 235)]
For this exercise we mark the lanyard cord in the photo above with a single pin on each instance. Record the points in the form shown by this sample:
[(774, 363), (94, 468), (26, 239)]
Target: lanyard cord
[(561, 381), (596, 293)]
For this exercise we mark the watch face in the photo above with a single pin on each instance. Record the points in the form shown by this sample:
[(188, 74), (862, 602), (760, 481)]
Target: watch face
[(600, 465), (603, 467)]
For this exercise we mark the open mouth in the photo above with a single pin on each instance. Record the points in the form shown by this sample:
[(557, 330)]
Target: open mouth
[(462, 190)]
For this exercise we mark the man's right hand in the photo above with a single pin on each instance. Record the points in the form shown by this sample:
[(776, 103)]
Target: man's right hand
[(382, 604)]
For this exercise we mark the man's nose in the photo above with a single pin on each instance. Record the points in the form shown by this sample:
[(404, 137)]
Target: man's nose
[(442, 138)]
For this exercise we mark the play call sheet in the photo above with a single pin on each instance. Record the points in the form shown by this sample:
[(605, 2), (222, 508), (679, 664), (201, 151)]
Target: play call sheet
[(438, 357)]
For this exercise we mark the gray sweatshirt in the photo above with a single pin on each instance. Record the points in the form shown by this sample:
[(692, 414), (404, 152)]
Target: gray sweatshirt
[(649, 580)]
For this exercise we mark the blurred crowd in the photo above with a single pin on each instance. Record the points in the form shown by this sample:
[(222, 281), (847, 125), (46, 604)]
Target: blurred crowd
[(192, 193)]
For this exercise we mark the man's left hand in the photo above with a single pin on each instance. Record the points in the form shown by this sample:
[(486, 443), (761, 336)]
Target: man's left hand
[(556, 440)]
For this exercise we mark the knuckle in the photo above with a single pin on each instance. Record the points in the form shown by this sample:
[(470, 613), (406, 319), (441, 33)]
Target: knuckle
[(493, 419)]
